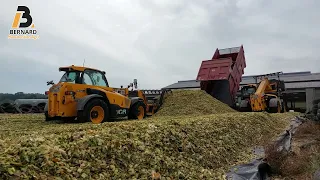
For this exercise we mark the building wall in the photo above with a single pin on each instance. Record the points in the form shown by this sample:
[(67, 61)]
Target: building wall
[(317, 93), (297, 106), (311, 94), (300, 104)]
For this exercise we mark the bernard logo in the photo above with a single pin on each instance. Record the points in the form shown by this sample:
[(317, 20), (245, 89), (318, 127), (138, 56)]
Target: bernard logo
[(22, 26)]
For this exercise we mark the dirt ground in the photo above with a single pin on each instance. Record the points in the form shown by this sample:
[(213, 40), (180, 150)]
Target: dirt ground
[(304, 160)]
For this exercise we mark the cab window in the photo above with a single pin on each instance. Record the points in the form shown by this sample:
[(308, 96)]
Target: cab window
[(86, 79), (94, 78), (248, 91), (251, 90), (70, 77)]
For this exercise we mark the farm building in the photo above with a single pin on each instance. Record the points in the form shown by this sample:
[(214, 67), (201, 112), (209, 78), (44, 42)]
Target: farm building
[(301, 88)]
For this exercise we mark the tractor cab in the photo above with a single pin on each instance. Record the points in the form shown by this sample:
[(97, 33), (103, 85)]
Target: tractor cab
[(247, 90), (243, 101)]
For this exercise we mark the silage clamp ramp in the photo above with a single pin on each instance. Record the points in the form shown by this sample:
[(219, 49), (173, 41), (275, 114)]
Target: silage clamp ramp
[(221, 75)]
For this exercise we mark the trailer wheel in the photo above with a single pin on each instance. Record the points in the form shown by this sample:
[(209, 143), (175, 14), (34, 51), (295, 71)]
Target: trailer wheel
[(95, 111), (137, 111)]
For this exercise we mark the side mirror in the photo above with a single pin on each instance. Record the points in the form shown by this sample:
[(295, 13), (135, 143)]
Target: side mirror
[(50, 83), (135, 82)]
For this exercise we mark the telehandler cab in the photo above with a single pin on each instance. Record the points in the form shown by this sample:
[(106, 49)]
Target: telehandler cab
[(83, 94)]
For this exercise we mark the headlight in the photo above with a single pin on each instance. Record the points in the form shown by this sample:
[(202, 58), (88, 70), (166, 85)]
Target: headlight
[(56, 88)]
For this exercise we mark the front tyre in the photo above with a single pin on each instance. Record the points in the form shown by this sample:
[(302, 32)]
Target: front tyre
[(95, 111), (276, 109), (137, 111)]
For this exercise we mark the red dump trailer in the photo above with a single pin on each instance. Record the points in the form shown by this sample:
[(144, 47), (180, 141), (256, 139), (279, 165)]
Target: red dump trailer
[(221, 75)]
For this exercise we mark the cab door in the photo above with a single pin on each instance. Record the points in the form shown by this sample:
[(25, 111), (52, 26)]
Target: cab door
[(97, 80)]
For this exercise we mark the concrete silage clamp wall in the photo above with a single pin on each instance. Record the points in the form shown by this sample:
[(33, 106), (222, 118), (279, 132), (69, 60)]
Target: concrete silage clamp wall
[(24, 106)]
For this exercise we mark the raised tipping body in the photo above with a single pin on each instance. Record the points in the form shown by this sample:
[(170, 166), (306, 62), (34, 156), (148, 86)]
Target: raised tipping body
[(221, 76)]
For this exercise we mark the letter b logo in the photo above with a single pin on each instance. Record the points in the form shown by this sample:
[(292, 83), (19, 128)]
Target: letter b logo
[(26, 15)]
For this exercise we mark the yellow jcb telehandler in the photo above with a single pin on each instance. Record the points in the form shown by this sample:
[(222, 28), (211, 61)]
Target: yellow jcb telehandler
[(83, 94), (267, 95)]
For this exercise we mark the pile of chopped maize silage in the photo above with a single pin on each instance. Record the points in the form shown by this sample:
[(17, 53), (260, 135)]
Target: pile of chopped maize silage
[(191, 102), (195, 147)]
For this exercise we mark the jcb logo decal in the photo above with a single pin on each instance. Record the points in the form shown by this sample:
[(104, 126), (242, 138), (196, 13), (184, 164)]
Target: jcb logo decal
[(122, 111), (22, 26)]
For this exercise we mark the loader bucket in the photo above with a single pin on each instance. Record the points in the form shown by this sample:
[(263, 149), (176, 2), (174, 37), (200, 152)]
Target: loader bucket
[(155, 96), (162, 96), (151, 95)]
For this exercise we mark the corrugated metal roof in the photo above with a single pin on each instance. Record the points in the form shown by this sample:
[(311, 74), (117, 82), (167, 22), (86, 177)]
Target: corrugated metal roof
[(291, 78), (287, 74), (184, 84), (303, 80)]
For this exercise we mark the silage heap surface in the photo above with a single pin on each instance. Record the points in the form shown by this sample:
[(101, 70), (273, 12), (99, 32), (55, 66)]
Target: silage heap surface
[(195, 147), (191, 102)]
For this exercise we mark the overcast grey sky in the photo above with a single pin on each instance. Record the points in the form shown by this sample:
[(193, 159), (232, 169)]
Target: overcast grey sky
[(156, 41)]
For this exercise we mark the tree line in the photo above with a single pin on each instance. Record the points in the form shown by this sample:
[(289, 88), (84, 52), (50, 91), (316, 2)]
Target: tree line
[(7, 97)]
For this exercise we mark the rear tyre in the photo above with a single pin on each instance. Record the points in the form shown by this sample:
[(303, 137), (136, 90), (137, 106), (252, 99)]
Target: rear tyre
[(47, 118), (95, 111), (137, 111)]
